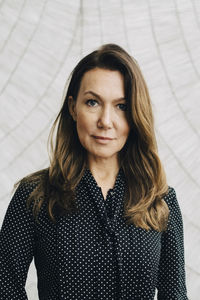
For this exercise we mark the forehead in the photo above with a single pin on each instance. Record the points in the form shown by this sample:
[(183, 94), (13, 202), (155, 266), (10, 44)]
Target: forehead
[(102, 80)]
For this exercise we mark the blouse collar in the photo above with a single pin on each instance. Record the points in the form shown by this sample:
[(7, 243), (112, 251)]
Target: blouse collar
[(116, 193)]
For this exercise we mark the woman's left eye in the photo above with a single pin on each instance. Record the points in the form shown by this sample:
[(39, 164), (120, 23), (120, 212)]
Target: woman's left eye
[(122, 106)]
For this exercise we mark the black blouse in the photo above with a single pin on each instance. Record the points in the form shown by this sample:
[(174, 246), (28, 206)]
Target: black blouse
[(93, 254)]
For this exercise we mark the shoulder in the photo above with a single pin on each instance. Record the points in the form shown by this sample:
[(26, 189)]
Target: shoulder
[(17, 211), (175, 215), (21, 194), (20, 207), (26, 185), (170, 196), (24, 188)]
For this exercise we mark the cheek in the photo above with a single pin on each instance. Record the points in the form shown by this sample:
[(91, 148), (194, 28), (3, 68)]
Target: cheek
[(124, 128), (83, 125)]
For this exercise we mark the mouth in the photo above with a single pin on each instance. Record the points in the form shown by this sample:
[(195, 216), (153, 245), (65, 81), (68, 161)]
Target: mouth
[(102, 138)]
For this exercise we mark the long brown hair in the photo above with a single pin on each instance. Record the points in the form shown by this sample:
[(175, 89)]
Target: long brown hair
[(143, 203)]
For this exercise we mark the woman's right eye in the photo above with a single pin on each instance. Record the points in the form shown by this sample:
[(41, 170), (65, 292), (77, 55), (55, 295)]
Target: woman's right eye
[(91, 102)]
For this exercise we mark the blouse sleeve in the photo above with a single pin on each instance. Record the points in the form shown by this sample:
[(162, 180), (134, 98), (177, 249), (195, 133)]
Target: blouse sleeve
[(171, 276), (16, 246)]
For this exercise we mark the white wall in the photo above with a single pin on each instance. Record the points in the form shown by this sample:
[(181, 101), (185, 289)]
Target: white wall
[(41, 41)]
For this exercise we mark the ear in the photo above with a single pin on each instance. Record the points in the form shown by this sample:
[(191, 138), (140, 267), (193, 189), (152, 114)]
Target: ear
[(72, 107)]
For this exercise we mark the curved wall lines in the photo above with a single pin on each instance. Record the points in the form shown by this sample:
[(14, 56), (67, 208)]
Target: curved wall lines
[(41, 42)]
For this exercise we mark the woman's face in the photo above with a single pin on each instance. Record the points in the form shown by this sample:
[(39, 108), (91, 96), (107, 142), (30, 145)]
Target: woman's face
[(100, 113)]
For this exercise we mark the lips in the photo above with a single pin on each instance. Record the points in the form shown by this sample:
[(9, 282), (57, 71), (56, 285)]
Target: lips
[(102, 137)]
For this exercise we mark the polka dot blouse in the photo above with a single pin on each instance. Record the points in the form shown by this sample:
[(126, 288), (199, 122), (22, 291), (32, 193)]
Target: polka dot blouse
[(93, 254)]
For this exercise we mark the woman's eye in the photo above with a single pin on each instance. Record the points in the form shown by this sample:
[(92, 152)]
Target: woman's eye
[(91, 102), (122, 106)]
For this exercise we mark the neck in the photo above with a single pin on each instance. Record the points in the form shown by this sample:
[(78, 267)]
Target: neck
[(104, 170)]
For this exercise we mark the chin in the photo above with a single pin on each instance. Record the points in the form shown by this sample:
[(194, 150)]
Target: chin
[(104, 155)]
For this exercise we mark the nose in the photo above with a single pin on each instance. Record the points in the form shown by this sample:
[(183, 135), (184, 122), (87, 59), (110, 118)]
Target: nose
[(105, 118)]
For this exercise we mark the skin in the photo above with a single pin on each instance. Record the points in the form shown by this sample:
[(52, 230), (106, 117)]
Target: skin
[(100, 112)]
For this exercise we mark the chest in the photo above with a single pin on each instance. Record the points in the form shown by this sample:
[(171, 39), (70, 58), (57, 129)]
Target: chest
[(87, 236)]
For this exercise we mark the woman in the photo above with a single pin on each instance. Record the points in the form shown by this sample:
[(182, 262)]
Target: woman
[(101, 221)]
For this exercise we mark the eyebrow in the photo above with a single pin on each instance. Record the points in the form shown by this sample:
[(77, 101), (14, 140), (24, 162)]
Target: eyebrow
[(99, 97)]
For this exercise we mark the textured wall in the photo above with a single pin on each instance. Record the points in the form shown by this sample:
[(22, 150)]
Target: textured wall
[(41, 41)]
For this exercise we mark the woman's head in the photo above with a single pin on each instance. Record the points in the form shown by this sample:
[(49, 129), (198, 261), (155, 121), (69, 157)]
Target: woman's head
[(107, 97), (111, 74)]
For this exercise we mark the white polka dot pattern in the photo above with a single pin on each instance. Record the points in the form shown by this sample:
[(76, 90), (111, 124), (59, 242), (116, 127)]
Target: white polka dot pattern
[(93, 254)]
